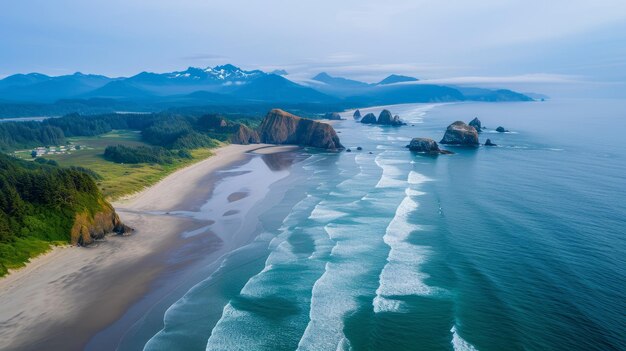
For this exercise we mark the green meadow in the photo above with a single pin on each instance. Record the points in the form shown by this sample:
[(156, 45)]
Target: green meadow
[(115, 179)]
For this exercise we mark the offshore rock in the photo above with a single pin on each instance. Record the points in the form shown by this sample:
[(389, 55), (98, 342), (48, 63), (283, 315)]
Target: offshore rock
[(501, 130), (369, 118), (459, 133), (426, 145), (476, 124)]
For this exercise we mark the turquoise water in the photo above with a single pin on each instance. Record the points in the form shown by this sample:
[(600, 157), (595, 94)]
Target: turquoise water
[(515, 247)]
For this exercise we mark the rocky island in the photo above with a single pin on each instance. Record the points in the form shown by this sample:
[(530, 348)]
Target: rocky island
[(501, 129), (384, 118), (476, 124), (369, 118), (459, 133), (426, 145), (280, 127)]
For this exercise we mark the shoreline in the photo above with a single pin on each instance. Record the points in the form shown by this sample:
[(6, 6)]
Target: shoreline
[(86, 289)]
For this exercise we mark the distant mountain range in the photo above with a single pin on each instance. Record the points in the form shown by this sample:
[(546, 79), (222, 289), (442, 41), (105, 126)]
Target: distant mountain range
[(226, 85)]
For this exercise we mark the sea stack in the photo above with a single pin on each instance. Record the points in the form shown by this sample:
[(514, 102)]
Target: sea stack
[(426, 145), (476, 124), (501, 130), (333, 116), (357, 115), (280, 127), (459, 133), (384, 117), (369, 118), (489, 143)]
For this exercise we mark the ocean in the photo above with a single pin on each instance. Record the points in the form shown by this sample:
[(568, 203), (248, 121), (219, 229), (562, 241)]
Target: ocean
[(516, 247)]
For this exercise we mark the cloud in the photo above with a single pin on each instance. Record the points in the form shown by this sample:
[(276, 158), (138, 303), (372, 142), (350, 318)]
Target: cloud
[(535, 78)]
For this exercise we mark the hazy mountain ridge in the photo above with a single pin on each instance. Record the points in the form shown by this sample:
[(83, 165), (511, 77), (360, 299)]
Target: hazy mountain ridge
[(219, 85)]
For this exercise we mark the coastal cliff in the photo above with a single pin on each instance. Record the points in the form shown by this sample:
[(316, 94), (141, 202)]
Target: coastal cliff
[(43, 204), (280, 127), (89, 227), (244, 135)]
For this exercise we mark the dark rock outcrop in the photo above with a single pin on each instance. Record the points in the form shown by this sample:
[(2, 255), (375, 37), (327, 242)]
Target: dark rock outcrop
[(459, 133), (384, 117), (238, 133), (334, 116), (476, 124), (369, 118), (426, 145), (89, 227), (357, 115), (280, 127), (501, 130), (489, 143), (244, 136)]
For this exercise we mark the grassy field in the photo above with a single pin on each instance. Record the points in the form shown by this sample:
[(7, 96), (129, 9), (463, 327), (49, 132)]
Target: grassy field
[(117, 179)]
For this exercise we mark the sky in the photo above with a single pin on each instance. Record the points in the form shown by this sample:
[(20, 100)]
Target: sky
[(516, 44)]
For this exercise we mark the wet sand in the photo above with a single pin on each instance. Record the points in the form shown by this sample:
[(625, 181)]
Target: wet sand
[(72, 295)]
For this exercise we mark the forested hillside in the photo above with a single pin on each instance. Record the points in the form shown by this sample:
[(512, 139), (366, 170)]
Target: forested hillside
[(42, 204), (171, 131)]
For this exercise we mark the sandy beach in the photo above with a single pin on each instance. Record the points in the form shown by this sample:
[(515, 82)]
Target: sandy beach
[(86, 289)]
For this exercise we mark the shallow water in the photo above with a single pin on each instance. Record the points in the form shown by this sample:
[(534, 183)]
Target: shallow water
[(515, 247)]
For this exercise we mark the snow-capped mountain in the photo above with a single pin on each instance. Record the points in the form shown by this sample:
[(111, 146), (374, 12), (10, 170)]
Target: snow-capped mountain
[(225, 74)]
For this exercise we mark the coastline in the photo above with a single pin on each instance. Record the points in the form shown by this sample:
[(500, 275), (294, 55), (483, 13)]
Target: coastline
[(87, 289)]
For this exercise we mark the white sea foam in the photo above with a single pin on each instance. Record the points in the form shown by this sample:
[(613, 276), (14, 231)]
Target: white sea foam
[(235, 327), (417, 178), (392, 174), (384, 147), (383, 304), (323, 213), (334, 294), (459, 344), (413, 192), (397, 138), (401, 274), (416, 114)]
